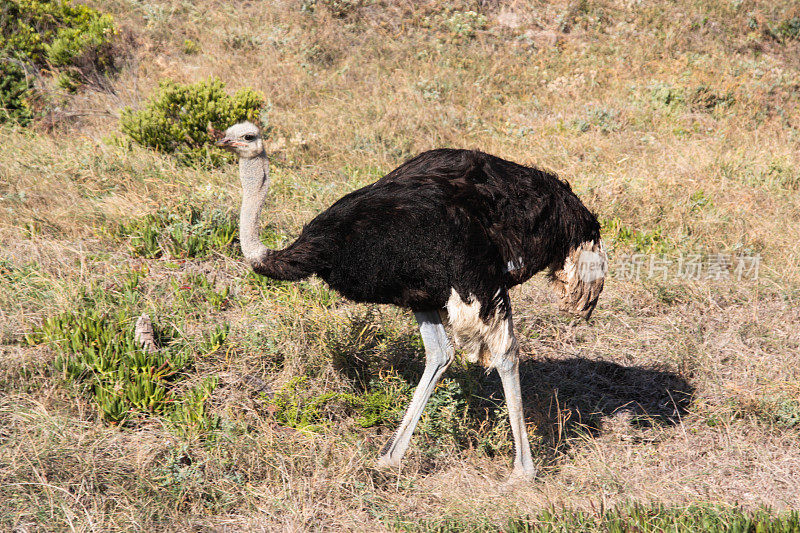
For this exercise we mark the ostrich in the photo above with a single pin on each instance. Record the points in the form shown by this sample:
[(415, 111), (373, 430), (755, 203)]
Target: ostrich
[(446, 234)]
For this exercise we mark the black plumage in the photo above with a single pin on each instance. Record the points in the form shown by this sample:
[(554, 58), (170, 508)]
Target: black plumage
[(445, 219)]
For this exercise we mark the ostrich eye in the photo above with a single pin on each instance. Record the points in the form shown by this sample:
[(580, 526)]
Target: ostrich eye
[(249, 137)]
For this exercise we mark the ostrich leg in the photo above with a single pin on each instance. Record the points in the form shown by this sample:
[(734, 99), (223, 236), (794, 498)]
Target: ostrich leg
[(438, 356), (508, 368)]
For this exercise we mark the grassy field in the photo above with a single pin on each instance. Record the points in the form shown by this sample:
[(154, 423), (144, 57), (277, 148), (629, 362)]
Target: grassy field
[(676, 409)]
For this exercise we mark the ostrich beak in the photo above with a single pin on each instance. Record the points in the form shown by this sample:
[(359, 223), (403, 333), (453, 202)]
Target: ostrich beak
[(227, 142)]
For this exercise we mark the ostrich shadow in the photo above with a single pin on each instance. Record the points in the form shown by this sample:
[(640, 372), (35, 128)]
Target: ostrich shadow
[(564, 399), (575, 397)]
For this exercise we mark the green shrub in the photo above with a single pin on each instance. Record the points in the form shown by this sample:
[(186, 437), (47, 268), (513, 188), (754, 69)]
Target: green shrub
[(72, 41), (384, 405), (78, 51), (15, 93), (293, 407), (383, 368), (176, 118)]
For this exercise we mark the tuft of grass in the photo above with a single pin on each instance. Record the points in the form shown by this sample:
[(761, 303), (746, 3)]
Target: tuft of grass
[(337, 8), (465, 24), (184, 231), (776, 409), (194, 288), (381, 406), (701, 97), (601, 119), (787, 29), (649, 241), (624, 518), (294, 407), (190, 414), (98, 353)]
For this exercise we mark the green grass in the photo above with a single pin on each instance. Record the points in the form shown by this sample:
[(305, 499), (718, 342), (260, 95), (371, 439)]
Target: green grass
[(646, 241), (97, 353), (636, 517)]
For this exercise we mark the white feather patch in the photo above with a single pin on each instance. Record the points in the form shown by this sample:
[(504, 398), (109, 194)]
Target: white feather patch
[(487, 343)]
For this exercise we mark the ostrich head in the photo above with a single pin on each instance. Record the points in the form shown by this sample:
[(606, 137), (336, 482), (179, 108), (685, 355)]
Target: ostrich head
[(243, 139), (579, 281)]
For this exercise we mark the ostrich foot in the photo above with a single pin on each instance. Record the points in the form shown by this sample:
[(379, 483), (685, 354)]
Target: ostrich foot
[(386, 462), (521, 475)]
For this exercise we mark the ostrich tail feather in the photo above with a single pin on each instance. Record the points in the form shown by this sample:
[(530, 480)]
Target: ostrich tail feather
[(297, 261)]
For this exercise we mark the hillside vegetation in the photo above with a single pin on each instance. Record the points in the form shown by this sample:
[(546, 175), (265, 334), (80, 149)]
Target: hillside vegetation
[(677, 408)]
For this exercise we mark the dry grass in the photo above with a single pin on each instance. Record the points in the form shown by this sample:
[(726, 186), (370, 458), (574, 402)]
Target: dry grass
[(672, 118)]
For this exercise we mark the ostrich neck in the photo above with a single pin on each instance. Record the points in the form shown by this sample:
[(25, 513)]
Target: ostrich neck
[(254, 174)]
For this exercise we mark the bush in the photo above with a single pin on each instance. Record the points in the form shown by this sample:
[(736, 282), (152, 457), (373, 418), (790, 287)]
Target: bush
[(15, 93), (176, 118), (72, 41), (78, 52)]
